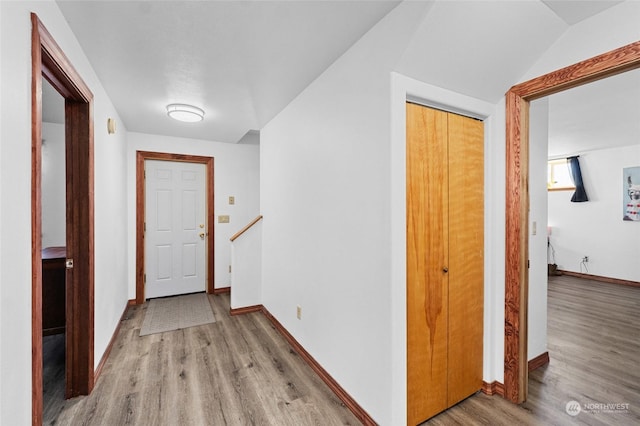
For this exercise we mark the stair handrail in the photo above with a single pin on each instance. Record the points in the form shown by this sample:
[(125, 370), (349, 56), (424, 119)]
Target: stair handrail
[(246, 228)]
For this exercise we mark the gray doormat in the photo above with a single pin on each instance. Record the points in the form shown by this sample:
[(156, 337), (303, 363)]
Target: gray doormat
[(175, 313)]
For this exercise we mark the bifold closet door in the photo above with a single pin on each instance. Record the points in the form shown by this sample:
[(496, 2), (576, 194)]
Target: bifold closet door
[(466, 256), (427, 254), (444, 260)]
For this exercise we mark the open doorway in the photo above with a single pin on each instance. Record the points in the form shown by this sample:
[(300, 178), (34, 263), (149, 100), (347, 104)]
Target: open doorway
[(50, 63), (580, 311), (517, 180)]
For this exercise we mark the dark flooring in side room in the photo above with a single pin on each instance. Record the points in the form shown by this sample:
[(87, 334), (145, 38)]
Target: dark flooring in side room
[(53, 375)]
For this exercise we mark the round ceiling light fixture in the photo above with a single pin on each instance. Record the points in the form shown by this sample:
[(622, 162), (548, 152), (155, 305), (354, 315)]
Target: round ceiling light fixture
[(184, 112)]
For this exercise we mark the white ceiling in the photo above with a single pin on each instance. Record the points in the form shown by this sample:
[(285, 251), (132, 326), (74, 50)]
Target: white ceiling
[(244, 61), (603, 114), (574, 11)]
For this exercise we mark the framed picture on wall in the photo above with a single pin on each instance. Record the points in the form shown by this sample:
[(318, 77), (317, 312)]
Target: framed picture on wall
[(631, 193)]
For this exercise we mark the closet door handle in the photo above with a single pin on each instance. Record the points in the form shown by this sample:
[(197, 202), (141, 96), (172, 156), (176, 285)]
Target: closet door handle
[(445, 269)]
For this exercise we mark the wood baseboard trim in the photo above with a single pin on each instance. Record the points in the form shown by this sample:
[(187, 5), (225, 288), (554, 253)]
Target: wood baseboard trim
[(600, 278), (107, 352), (493, 388), (497, 388), (222, 290), (346, 399), (539, 361), (246, 310)]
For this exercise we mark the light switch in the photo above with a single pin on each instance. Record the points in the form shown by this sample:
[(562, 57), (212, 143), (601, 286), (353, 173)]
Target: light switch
[(223, 219), (534, 228), (232, 199)]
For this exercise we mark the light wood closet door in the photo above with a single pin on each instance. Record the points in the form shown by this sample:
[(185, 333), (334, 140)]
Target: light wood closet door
[(466, 256), (427, 254), (444, 260)]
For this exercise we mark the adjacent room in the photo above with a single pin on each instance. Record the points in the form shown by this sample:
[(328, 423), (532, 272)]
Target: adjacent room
[(589, 299)]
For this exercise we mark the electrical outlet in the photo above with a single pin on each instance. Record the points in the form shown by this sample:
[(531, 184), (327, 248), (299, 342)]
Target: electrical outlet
[(299, 312), (585, 259)]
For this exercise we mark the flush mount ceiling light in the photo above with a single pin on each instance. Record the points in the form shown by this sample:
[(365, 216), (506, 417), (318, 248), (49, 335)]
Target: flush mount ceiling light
[(183, 112)]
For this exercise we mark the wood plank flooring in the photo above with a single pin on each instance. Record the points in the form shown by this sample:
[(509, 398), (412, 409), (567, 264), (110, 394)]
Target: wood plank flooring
[(52, 375), (594, 346), (236, 371), (240, 371)]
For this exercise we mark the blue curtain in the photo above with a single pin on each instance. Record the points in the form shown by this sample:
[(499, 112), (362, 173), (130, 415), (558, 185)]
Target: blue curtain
[(580, 195)]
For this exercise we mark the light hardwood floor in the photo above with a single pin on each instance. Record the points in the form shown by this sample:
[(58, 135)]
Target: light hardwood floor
[(594, 346), (240, 371), (236, 371)]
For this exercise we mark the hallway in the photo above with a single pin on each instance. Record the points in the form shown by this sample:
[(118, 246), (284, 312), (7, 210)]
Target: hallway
[(238, 370)]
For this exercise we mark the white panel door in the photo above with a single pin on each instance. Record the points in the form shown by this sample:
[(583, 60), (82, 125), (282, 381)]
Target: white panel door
[(175, 228)]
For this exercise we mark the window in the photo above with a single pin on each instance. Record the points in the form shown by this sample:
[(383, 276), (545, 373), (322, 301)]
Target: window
[(559, 176)]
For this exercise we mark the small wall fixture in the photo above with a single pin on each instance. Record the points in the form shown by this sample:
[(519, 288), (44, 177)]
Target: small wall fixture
[(111, 126), (183, 112)]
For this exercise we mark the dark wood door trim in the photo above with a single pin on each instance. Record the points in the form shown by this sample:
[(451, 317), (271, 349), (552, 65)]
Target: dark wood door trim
[(141, 156), (518, 97), (50, 62)]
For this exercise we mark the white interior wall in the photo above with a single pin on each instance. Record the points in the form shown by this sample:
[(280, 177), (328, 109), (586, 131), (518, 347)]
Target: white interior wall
[(54, 206), (15, 225), (325, 199), (246, 272), (110, 213), (236, 173), (537, 308), (2, 37), (15, 261), (595, 228)]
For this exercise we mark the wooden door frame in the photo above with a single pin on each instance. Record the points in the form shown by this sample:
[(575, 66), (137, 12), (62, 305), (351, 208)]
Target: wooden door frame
[(617, 61), (50, 62), (141, 157)]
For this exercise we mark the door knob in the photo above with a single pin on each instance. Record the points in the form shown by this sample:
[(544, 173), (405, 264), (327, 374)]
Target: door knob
[(202, 235), (445, 269)]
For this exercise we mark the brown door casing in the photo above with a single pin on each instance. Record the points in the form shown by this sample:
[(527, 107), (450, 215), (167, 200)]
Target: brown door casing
[(518, 97), (50, 62)]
